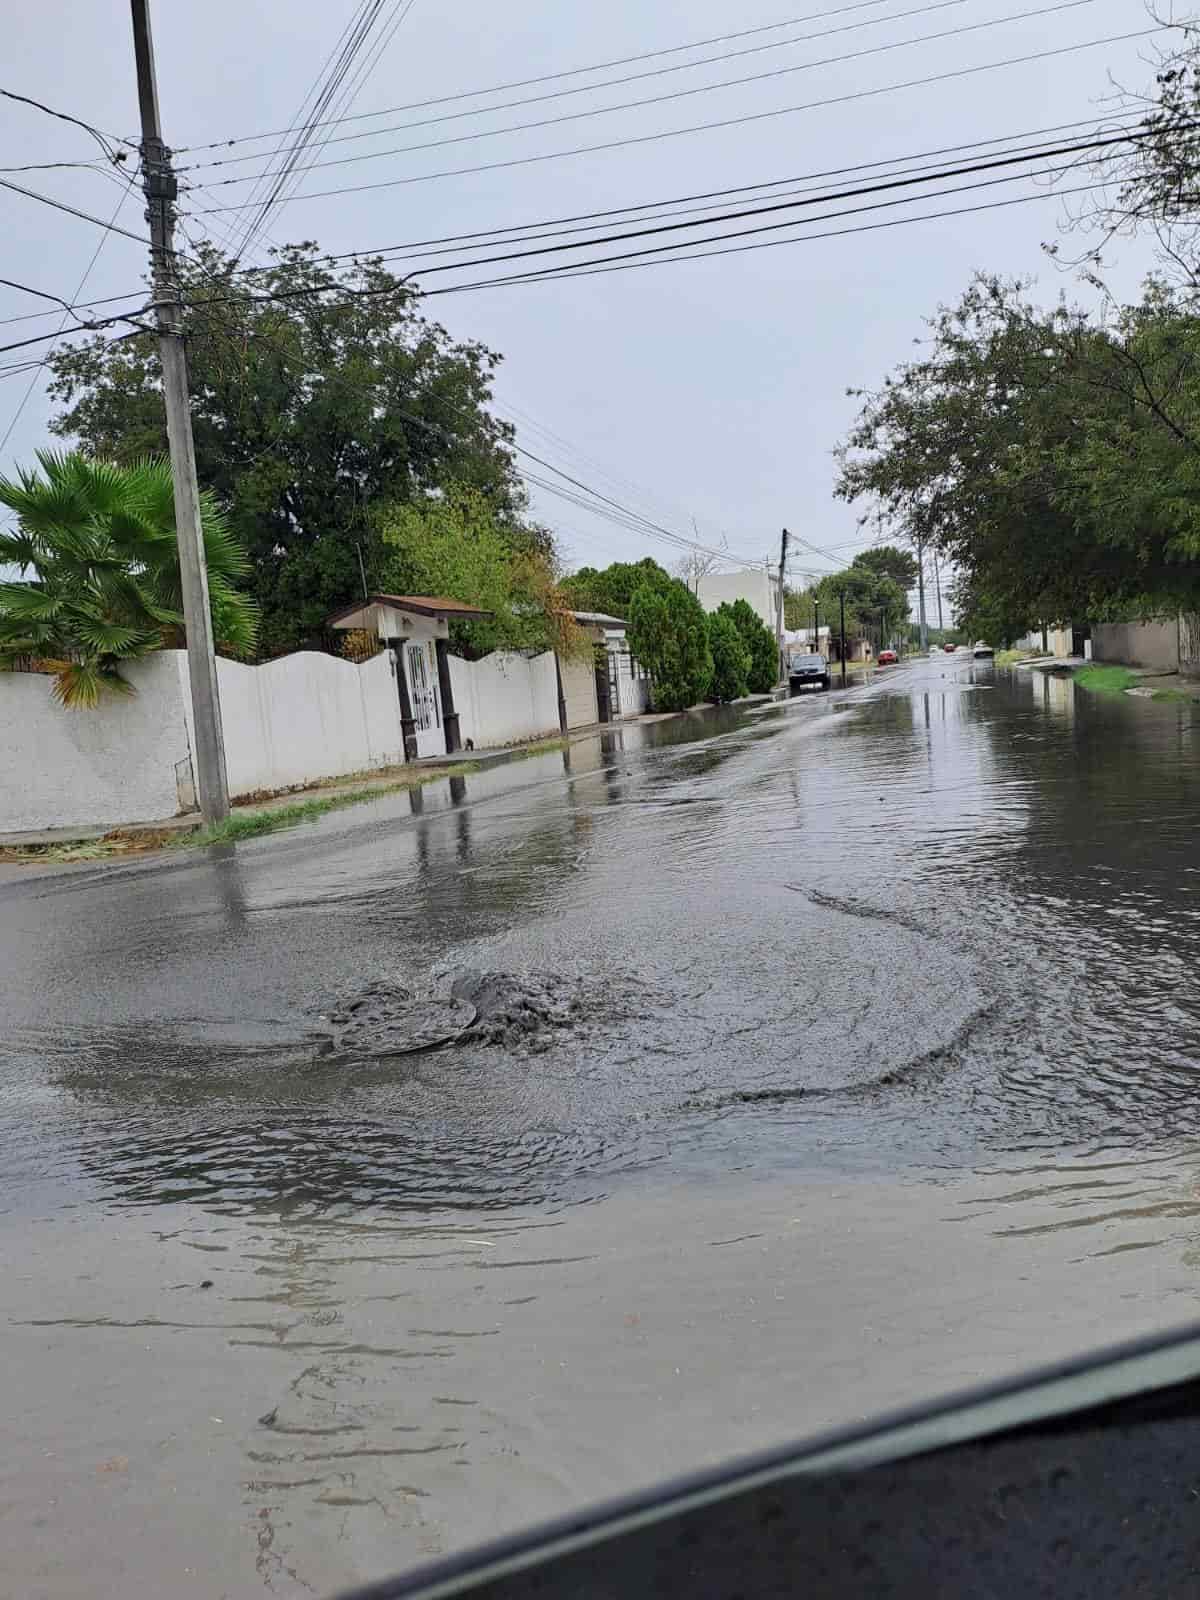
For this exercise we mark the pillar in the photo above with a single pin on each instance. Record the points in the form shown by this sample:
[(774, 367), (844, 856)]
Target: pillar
[(408, 726), (449, 715)]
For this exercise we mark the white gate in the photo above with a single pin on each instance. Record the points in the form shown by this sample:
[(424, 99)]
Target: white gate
[(420, 664)]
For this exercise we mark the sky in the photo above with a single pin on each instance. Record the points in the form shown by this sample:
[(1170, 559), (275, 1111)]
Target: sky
[(707, 395)]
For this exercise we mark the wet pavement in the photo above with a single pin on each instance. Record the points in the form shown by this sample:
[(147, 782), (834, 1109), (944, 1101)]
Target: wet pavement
[(403, 1179)]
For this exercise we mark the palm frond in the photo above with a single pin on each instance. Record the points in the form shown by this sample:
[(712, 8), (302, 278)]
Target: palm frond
[(79, 684), (28, 602)]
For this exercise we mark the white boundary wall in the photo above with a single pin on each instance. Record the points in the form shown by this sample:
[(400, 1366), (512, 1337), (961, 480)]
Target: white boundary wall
[(505, 697), (289, 722), (116, 764), (306, 716)]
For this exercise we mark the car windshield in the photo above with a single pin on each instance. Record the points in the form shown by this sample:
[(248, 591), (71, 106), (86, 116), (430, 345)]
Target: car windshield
[(808, 661)]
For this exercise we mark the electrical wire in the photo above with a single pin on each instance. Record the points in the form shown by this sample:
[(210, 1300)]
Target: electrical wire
[(391, 250), (547, 77), (106, 141), (611, 83), (678, 94), (84, 216), (559, 274), (1134, 122), (309, 290), (704, 127)]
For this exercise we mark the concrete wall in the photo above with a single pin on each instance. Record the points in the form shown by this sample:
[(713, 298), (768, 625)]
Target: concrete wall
[(505, 697), (307, 716), (754, 584), (579, 692), (289, 722), (115, 764), (1138, 644)]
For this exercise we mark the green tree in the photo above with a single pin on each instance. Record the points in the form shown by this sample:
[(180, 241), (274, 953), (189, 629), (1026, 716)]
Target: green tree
[(95, 545), (309, 410), (889, 561), (763, 670), (1053, 462), (668, 634), (454, 544), (730, 658), (611, 589)]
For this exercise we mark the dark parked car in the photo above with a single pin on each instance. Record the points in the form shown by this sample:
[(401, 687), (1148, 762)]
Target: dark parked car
[(805, 671)]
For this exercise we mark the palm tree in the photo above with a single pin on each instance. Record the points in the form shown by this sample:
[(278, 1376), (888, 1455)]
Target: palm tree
[(100, 573)]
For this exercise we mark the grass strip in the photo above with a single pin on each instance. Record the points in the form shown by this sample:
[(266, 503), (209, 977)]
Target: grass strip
[(1105, 680)]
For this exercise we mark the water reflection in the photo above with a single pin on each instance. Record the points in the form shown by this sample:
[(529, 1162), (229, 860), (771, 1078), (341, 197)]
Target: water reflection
[(950, 914)]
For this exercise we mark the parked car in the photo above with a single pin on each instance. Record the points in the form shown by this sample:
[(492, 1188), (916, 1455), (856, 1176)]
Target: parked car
[(805, 671), (886, 658), (982, 651)]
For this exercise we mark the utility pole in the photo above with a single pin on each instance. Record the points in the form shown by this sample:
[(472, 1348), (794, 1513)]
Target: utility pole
[(816, 627), (921, 594), (842, 604), (783, 546), (161, 188), (937, 581)]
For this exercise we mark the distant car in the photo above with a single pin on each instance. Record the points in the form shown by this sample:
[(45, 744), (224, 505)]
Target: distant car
[(982, 651), (805, 671), (886, 658), (949, 648)]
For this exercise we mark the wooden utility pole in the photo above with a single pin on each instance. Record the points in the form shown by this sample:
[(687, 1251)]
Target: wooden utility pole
[(921, 594), (158, 181), (783, 548)]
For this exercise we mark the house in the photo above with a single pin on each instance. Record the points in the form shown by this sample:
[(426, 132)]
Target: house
[(621, 685), (758, 586), (416, 628)]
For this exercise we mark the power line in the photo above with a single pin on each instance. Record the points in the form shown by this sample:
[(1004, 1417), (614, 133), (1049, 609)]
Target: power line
[(1104, 134), (60, 205), (790, 205), (678, 94), (705, 127), (672, 227), (292, 169), (106, 141), (548, 77), (468, 239), (459, 242), (612, 83), (72, 310), (586, 270)]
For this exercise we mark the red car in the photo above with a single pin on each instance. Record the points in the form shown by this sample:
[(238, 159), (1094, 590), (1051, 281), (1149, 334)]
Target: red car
[(949, 648), (886, 658)]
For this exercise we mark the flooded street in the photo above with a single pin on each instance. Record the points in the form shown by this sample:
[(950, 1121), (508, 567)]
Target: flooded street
[(801, 1060)]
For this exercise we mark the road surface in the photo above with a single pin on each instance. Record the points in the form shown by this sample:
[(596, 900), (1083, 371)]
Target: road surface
[(831, 1054)]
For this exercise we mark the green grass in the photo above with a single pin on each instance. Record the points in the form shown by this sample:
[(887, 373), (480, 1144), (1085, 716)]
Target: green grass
[(1105, 680), (1006, 658), (250, 824), (1171, 694)]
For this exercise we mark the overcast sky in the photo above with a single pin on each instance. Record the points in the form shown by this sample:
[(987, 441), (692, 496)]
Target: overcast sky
[(712, 390)]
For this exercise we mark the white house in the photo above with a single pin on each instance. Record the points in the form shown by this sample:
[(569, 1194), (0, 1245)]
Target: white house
[(757, 585)]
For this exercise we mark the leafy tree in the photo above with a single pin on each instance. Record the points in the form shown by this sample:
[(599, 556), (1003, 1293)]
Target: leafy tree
[(668, 633), (730, 657), (454, 544), (308, 410), (763, 671), (100, 586), (1053, 462), (889, 561), (611, 589)]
